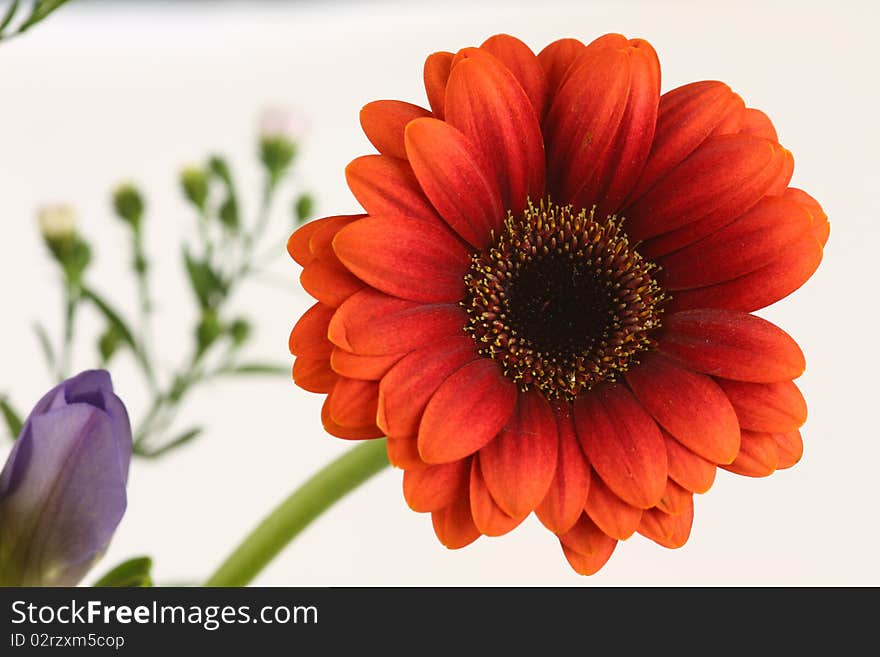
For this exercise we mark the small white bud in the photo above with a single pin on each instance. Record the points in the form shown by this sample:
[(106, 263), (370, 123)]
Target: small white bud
[(56, 221), (279, 122)]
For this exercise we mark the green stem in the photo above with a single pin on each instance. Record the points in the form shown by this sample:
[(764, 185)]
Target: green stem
[(70, 302), (295, 513), (145, 307)]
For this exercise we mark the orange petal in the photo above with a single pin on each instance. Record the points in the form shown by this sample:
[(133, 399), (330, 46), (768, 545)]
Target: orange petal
[(409, 259), (667, 530), (771, 407), (321, 241), (298, 243), (454, 525), (466, 412), (350, 433), (789, 448), (329, 283), (584, 118), (404, 453), (522, 62), (622, 163), (456, 178), (437, 486), (676, 499), (783, 274), (586, 547), (520, 463), (352, 403), (693, 472), (567, 495), (309, 335), (755, 122), (314, 374), (485, 101), (758, 456), (386, 186), (374, 324), (686, 117), (690, 406), (366, 368), (747, 244), (615, 517), (488, 516), (722, 179), (557, 60), (623, 443), (437, 67), (819, 219), (405, 391), (384, 121), (732, 345)]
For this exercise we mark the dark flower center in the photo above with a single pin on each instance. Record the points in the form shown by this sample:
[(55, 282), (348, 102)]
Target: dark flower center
[(562, 300)]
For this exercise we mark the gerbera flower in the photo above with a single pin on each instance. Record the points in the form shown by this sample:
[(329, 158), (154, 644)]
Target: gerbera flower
[(546, 307)]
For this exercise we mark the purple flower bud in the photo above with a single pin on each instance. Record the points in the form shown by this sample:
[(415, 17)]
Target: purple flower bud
[(62, 491)]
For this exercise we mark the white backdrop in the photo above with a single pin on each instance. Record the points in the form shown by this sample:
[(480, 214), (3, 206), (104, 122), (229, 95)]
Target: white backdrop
[(108, 91)]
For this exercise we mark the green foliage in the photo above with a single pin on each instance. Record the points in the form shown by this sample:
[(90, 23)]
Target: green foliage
[(135, 572), (194, 184), (276, 154), (239, 330), (11, 417), (206, 283), (72, 253), (303, 208), (40, 9), (207, 330), (114, 318), (129, 205), (217, 261), (108, 343)]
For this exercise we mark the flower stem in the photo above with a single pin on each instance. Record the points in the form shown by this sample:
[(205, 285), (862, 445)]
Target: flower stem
[(70, 302), (294, 514)]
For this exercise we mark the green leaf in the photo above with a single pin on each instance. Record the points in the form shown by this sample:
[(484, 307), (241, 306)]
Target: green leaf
[(134, 572), (256, 368), (124, 333), (7, 17), (112, 316), (303, 208), (108, 343), (229, 213), (40, 10), (207, 284), (13, 419), (45, 345), (229, 208), (181, 440)]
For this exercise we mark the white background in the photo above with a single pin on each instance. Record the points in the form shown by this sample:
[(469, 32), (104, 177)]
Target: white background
[(108, 91)]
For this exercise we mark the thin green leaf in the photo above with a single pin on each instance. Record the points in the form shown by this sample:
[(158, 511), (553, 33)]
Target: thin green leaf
[(40, 10), (134, 572), (13, 419), (207, 284), (181, 440), (256, 368), (112, 316), (45, 345), (7, 17), (120, 326)]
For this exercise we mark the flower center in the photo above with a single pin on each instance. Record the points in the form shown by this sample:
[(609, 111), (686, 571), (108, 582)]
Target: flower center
[(562, 300)]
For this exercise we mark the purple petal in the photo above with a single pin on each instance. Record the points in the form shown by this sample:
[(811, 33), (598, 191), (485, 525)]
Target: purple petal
[(71, 495)]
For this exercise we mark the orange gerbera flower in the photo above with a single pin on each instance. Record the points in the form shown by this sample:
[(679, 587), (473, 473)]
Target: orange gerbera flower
[(547, 305)]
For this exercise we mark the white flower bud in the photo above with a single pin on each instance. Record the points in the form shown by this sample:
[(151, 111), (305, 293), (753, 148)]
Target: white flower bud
[(280, 122), (57, 222)]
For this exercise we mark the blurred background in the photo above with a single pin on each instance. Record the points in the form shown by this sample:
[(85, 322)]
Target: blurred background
[(104, 91)]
